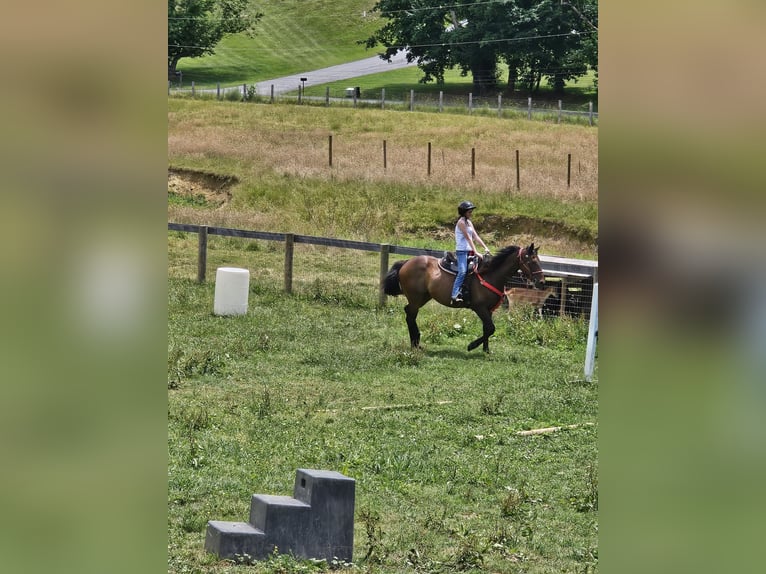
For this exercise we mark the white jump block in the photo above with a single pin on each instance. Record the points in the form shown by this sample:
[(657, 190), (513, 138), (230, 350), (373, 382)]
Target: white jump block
[(232, 286)]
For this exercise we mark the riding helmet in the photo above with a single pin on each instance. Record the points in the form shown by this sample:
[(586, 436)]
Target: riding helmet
[(465, 206)]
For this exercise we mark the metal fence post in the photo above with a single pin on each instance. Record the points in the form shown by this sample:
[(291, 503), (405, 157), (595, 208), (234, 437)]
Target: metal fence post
[(385, 249), (289, 248), (201, 253)]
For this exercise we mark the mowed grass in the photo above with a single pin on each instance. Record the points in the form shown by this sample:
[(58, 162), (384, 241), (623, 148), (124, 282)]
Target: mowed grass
[(325, 379), (293, 36), (456, 88), (297, 36)]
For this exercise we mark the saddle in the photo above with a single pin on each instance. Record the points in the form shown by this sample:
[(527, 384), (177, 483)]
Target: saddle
[(448, 263)]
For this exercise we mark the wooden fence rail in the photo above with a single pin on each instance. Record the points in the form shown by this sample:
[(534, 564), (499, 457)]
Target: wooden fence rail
[(556, 266)]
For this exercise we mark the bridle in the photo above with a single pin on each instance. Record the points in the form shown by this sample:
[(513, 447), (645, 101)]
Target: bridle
[(525, 266), (497, 291)]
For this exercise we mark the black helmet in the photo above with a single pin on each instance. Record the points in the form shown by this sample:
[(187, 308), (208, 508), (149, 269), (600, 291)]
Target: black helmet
[(465, 206)]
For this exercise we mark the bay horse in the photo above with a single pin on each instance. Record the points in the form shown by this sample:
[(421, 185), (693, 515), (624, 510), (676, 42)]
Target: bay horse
[(421, 279)]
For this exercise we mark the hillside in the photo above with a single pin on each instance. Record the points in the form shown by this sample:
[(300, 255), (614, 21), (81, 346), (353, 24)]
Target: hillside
[(292, 36), (220, 174)]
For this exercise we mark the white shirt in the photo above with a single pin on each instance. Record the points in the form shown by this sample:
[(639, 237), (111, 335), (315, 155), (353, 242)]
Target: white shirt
[(461, 242)]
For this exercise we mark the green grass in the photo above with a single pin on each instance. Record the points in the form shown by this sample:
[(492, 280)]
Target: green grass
[(293, 36), (444, 483), (398, 84), (284, 183), (299, 35), (325, 379)]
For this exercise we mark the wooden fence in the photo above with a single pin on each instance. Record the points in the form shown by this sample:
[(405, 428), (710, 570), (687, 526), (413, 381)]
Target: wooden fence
[(571, 273)]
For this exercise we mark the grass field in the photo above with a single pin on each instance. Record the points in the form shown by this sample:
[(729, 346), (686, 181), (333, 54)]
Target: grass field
[(277, 157), (292, 36), (295, 36), (326, 379)]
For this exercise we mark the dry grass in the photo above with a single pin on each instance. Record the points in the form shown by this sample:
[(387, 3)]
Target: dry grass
[(294, 141), (279, 157)]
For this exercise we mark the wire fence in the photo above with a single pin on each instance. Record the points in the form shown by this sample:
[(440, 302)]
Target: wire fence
[(400, 100)]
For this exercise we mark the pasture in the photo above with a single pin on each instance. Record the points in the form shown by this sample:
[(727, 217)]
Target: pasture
[(324, 378)]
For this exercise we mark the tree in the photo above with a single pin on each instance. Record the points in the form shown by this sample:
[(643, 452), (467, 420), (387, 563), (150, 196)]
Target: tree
[(553, 39), (196, 26)]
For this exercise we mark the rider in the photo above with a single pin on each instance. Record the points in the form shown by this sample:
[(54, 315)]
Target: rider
[(465, 238)]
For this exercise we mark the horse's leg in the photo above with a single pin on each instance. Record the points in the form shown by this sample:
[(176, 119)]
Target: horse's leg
[(488, 328), (412, 314)]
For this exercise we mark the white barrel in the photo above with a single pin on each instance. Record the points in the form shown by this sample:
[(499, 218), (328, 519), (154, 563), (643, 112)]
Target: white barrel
[(232, 285)]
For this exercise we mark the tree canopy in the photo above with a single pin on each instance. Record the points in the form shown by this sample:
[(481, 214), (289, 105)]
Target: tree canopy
[(552, 39), (196, 26)]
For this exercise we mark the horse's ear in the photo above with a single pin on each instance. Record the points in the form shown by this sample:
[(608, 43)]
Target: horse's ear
[(531, 248)]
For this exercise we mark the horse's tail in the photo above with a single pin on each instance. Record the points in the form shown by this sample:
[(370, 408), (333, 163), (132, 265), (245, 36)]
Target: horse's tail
[(391, 280)]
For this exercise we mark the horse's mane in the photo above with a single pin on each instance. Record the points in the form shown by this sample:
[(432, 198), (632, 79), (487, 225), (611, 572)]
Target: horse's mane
[(494, 262)]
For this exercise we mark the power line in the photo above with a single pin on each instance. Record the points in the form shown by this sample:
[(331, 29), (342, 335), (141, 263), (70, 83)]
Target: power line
[(446, 44)]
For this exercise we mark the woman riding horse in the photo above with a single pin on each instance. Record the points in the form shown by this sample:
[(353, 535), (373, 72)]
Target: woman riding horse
[(421, 279)]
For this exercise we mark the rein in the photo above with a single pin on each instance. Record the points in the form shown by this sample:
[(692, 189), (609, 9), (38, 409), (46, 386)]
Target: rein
[(497, 291), (492, 288)]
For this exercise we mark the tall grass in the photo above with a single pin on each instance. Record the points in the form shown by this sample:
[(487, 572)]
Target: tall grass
[(279, 155)]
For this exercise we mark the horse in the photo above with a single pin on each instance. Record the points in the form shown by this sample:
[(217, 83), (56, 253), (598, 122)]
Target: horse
[(421, 279)]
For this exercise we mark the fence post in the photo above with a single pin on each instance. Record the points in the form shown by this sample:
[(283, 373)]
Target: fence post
[(272, 93), (559, 120), (470, 103), (244, 92), (384, 155), (590, 112), (429, 159), (330, 149), (590, 349), (192, 88), (499, 105), (383, 98), (354, 97), (529, 108), (385, 249), (441, 101), (300, 94), (473, 162), (201, 253), (569, 169), (563, 297), (412, 100), (218, 91), (518, 186), (289, 248), (327, 96)]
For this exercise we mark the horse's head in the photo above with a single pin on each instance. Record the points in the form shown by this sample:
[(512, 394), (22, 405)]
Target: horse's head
[(530, 266)]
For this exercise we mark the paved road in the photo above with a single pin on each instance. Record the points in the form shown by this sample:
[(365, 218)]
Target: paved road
[(345, 71)]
